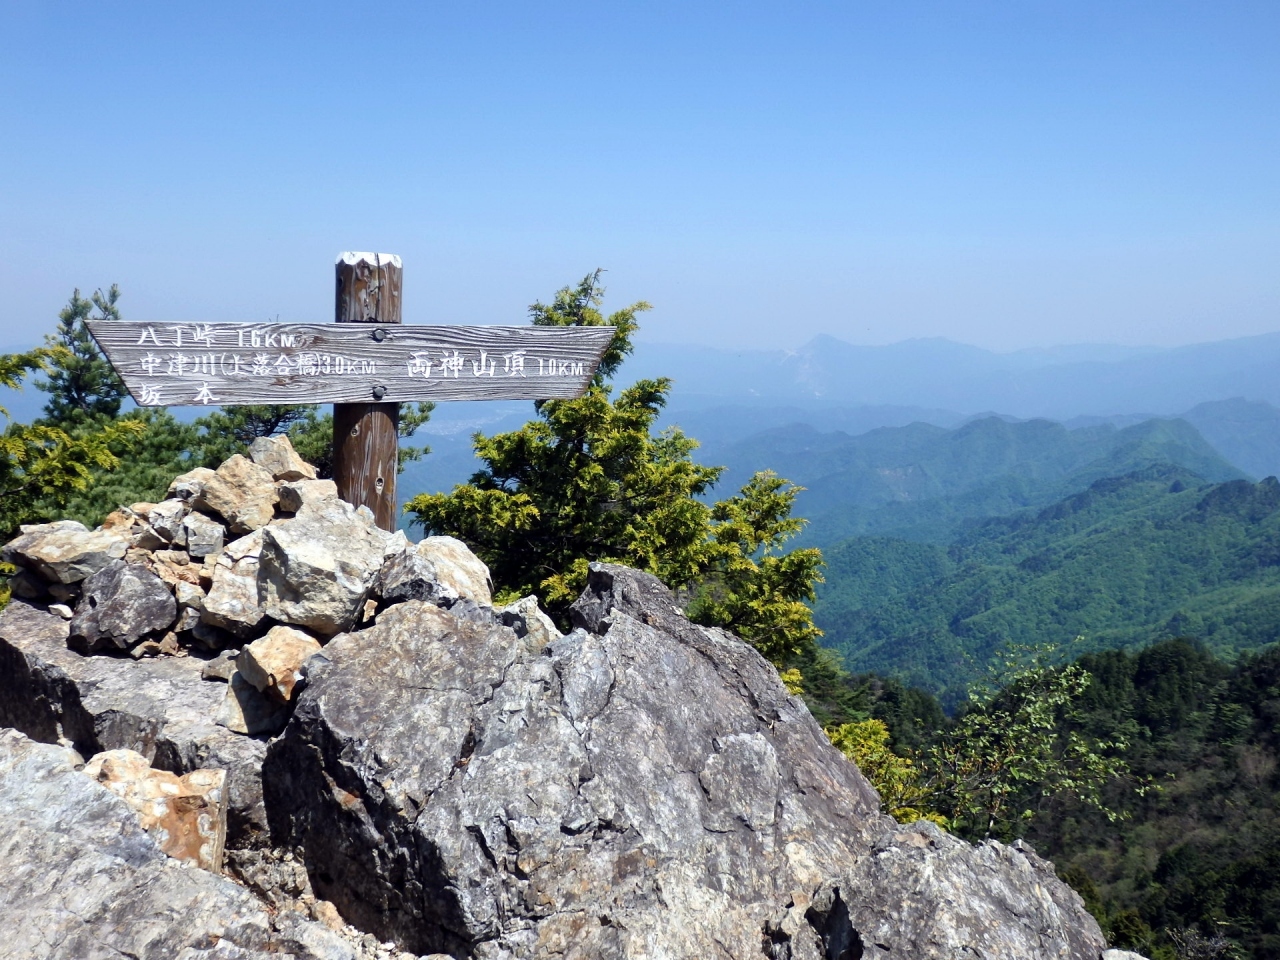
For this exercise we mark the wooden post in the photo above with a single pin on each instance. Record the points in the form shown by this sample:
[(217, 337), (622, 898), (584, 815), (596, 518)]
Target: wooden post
[(366, 439)]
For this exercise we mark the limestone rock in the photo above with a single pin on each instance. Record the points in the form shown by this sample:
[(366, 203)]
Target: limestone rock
[(318, 567), (294, 494), (220, 667), (84, 881), (166, 518), (962, 900), (519, 798), (640, 787), (63, 551), (202, 535), (186, 816), (457, 567), (234, 601), (528, 620), (277, 456), (122, 603), (438, 569), (241, 492), (158, 707), (190, 596), (190, 485), (27, 585), (246, 709), (1121, 955), (273, 663)]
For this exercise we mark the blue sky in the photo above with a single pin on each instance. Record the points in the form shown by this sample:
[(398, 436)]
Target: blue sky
[(1004, 174)]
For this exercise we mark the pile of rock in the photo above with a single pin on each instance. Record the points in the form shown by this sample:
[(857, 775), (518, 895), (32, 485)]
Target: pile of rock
[(403, 766), (257, 557)]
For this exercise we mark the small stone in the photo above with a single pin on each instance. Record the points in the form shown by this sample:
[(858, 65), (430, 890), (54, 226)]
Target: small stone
[(293, 494), (121, 604), (204, 537), (273, 663), (167, 516), (61, 610), (249, 711), (439, 570), (142, 509), (234, 601), (144, 538), (326, 913), (167, 646), (277, 456), (64, 551), (191, 484), (172, 566), (119, 521), (318, 567), (242, 493), (220, 667), (186, 816), (189, 595), (188, 617)]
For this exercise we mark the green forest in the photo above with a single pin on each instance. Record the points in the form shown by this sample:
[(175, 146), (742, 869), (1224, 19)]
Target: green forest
[(1192, 845), (1155, 554)]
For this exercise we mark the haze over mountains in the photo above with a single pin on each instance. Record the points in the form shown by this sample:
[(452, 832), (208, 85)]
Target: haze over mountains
[(1058, 383), (1228, 391)]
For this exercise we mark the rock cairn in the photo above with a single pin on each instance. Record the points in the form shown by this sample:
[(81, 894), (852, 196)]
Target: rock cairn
[(266, 727)]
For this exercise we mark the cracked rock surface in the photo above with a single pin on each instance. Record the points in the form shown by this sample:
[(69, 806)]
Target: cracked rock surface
[(160, 708), (84, 881), (640, 787)]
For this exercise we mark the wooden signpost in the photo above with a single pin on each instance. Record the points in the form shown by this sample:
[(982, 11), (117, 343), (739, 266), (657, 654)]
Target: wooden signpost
[(366, 364)]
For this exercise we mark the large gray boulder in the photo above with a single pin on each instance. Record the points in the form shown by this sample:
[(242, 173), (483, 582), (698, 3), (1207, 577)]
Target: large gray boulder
[(84, 881), (642, 787), (160, 708), (121, 604), (455, 787)]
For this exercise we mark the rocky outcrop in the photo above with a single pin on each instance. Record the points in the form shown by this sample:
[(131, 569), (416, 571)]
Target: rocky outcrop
[(640, 787), (450, 776), (82, 879), (159, 707)]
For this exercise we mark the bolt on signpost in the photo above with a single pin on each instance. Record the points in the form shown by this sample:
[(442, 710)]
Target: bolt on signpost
[(366, 364)]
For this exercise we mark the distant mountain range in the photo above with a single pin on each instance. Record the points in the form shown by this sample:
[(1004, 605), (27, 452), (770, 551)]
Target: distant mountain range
[(924, 482)]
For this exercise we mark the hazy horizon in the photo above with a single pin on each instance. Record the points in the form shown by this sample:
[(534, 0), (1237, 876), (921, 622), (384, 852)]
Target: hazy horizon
[(1008, 176)]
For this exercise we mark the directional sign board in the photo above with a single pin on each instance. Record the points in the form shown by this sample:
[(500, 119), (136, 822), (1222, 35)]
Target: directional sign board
[(184, 364)]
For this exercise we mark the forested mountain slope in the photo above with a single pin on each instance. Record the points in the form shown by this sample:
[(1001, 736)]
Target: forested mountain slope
[(923, 482), (1157, 553)]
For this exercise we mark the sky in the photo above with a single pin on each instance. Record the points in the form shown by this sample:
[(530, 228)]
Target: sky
[(1009, 175)]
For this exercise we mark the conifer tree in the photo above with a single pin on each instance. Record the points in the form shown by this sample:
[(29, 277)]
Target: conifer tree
[(589, 480), (80, 382)]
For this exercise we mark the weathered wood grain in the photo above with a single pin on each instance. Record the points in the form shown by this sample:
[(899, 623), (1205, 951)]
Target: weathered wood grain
[(366, 436), (184, 363)]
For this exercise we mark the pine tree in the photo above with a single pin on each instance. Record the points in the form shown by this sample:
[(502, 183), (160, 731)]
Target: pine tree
[(80, 382)]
